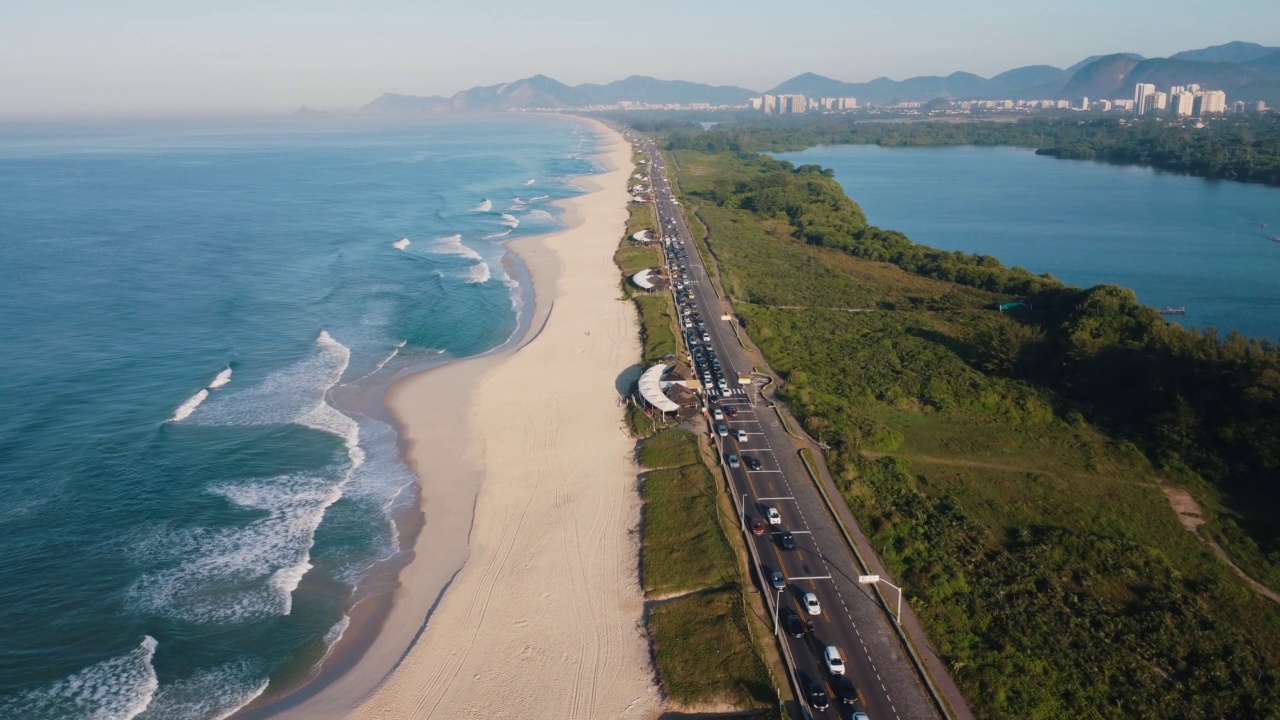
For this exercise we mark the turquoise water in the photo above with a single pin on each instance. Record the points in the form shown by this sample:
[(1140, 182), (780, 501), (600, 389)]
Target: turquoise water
[(1177, 241), (195, 320)]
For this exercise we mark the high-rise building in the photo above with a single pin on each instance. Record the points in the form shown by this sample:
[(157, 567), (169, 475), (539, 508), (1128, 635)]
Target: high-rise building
[(792, 104), (1103, 105), (1210, 102), (1141, 92), (755, 103), (1181, 103), (1260, 107), (770, 104), (847, 103)]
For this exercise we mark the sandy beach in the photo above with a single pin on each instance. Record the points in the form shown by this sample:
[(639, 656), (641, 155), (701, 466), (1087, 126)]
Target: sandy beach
[(544, 617)]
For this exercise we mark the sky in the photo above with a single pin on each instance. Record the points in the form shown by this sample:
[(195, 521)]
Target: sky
[(120, 58)]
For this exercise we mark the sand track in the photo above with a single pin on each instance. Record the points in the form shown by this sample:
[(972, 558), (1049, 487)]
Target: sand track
[(543, 621)]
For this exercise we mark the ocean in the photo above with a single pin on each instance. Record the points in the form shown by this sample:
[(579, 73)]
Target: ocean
[(1178, 241), (198, 321)]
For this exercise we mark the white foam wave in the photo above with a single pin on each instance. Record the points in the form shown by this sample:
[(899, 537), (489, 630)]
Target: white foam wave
[(504, 233), (210, 694), (540, 216), (400, 244), (118, 688), (506, 279), (452, 245), (478, 273), (484, 206), (510, 221), (539, 197), (529, 181), (222, 379), (185, 409), (233, 574)]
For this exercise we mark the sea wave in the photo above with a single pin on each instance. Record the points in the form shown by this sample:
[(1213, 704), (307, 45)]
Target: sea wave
[(452, 245), (222, 379), (529, 181), (477, 274), (510, 221), (484, 206), (119, 687), (504, 233), (400, 244), (189, 406), (540, 216), (538, 197), (212, 693)]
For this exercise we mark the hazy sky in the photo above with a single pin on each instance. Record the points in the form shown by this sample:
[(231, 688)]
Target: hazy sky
[(148, 57)]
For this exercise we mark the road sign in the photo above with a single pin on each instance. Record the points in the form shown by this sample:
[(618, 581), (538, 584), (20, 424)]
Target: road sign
[(868, 579)]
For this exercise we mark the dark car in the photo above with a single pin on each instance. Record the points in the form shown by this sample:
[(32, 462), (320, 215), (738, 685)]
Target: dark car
[(731, 411), (793, 624), (752, 463), (787, 540), (817, 697), (845, 690)]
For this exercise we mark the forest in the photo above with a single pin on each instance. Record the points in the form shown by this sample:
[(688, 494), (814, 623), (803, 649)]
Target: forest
[(1244, 148), (1012, 466)]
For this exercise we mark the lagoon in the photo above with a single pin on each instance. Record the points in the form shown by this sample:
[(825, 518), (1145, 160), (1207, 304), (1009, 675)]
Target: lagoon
[(1177, 241)]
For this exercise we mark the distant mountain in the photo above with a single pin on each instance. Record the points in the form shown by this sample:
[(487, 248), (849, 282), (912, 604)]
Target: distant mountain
[(815, 85), (1101, 78), (393, 103), (1244, 70), (640, 88), (1268, 65), (1232, 52), (541, 91), (1094, 58)]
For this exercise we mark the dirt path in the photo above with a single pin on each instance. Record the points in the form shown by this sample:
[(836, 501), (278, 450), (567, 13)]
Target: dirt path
[(1192, 517)]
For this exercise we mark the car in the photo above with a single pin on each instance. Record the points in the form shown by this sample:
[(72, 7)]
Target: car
[(752, 463), (757, 527), (731, 411), (705, 337), (775, 517), (717, 414), (733, 461), (859, 716), (742, 434), (845, 691), (787, 540), (811, 604), (776, 579), (722, 431), (835, 662), (817, 696), (793, 624)]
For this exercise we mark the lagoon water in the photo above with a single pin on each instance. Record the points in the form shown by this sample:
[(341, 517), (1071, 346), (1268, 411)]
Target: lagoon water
[(197, 321), (1177, 241)]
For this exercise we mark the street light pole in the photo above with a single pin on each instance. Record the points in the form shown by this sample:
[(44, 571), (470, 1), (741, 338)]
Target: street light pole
[(872, 580)]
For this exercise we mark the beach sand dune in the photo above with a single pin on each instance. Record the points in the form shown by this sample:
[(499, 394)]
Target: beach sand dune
[(544, 620)]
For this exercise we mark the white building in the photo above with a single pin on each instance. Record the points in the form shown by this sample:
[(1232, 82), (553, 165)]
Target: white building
[(1181, 103), (1141, 92)]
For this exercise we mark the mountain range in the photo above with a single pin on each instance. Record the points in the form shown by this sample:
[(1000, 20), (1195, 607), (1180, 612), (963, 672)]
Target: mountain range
[(1246, 71)]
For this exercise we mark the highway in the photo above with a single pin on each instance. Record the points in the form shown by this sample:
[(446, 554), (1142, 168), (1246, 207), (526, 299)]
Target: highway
[(821, 563)]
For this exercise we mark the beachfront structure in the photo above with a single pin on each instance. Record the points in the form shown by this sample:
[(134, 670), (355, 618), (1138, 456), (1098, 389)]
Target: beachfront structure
[(642, 279), (651, 389)]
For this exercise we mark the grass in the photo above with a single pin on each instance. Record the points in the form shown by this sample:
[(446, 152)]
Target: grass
[(704, 653), (683, 548), (669, 449), (1039, 551), (657, 326)]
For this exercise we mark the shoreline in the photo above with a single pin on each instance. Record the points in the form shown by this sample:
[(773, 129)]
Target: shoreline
[(400, 600)]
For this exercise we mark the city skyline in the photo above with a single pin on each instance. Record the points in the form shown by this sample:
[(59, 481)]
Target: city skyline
[(143, 57)]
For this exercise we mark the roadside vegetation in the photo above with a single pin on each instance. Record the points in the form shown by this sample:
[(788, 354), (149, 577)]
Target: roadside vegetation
[(1009, 466), (706, 657)]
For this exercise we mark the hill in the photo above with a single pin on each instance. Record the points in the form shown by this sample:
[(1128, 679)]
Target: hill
[(1101, 78), (1232, 52), (541, 91)]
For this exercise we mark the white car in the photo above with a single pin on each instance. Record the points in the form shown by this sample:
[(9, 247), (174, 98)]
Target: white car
[(717, 414), (835, 663), (742, 436), (722, 431), (811, 604), (775, 517)]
